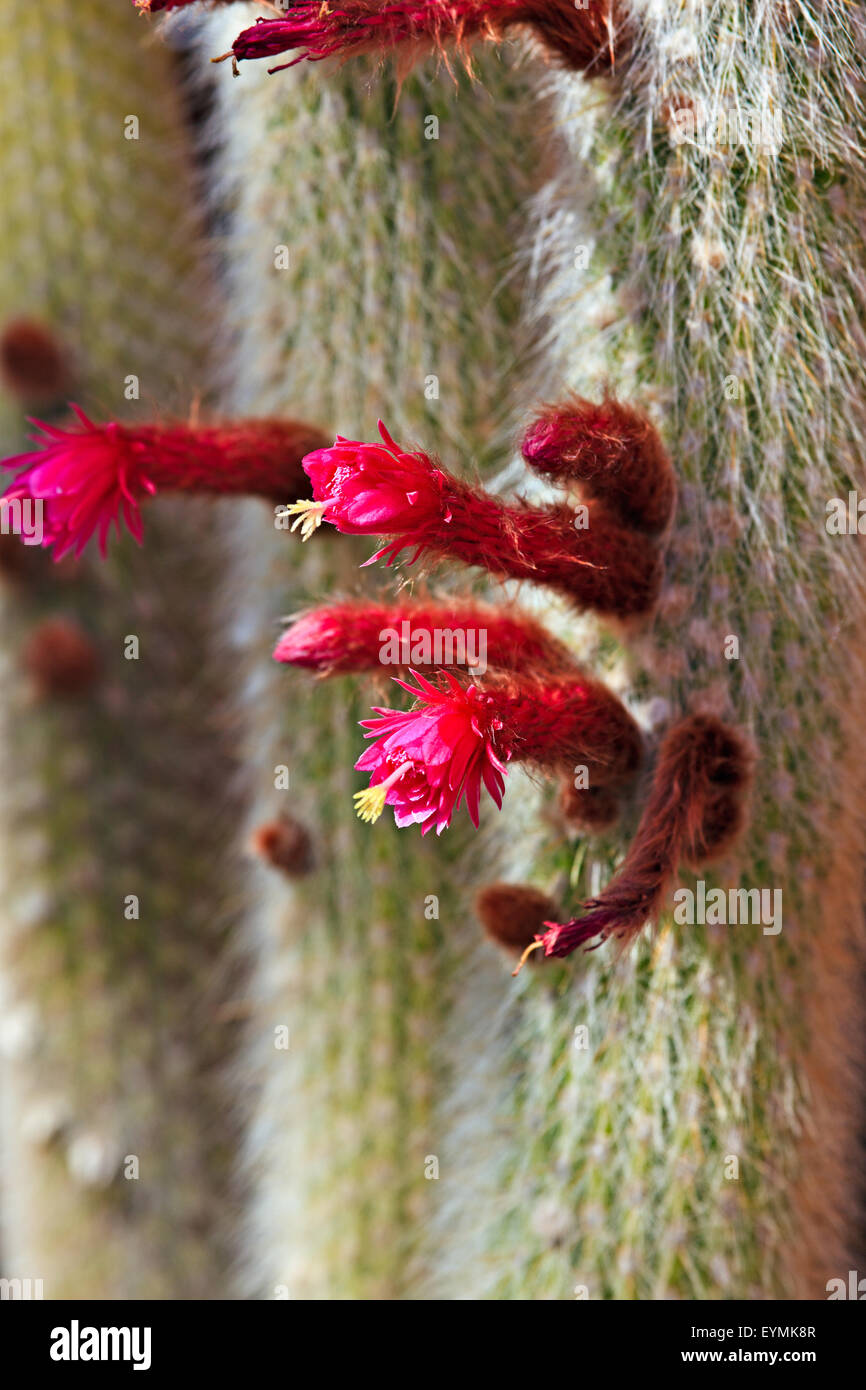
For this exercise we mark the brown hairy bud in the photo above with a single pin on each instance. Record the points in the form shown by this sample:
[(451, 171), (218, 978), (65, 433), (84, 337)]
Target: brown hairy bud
[(513, 913), (285, 844), (61, 659)]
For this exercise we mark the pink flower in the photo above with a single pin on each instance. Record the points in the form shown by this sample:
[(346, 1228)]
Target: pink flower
[(90, 477), (368, 489), (86, 483), (373, 490), (426, 760)]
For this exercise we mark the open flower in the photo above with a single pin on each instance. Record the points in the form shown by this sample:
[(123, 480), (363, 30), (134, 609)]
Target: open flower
[(90, 477), (612, 452), (369, 489), (426, 760), (460, 735), (580, 37), (372, 490)]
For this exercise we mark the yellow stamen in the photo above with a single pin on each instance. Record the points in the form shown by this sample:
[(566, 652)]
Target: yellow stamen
[(536, 946), (370, 803), (308, 515)]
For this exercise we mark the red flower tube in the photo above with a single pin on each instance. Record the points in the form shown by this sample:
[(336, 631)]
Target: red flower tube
[(695, 811), (380, 489), (613, 452), (91, 476), (426, 760), (156, 6), (581, 38), (360, 635)]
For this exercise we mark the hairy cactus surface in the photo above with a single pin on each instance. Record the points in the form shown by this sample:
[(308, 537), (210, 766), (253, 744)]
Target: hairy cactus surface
[(684, 1119), (120, 792), (370, 257), (596, 270)]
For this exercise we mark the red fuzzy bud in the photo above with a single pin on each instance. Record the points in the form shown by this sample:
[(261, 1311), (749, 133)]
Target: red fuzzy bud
[(613, 452), (513, 913), (157, 6), (285, 844), (591, 809), (61, 659), (358, 635), (33, 366)]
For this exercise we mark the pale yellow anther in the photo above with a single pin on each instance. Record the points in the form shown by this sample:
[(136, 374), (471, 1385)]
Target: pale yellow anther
[(308, 515), (370, 803)]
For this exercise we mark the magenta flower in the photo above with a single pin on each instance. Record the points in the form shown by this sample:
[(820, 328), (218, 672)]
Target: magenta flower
[(426, 760), (90, 477), (373, 490), (85, 482)]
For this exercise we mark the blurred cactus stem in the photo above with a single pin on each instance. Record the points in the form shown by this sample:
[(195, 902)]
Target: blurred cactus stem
[(120, 802), (370, 256)]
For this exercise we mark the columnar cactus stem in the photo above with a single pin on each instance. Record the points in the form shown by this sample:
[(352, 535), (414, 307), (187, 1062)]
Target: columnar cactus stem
[(120, 786), (379, 234), (689, 1116)]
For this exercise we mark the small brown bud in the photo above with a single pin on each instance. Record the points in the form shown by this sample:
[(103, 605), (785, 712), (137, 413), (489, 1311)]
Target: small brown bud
[(33, 366), (285, 844), (513, 913), (61, 659)]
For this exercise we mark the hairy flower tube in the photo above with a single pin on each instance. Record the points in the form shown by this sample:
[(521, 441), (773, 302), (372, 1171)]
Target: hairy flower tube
[(380, 489), (358, 635), (612, 451), (584, 38), (459, 736), (91, 476), (156, 6), (695, 811)]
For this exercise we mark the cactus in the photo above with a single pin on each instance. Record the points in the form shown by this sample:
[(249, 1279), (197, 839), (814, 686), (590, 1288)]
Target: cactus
[(684, 1119), (370, 256), (678, 1118), (120, 777)]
